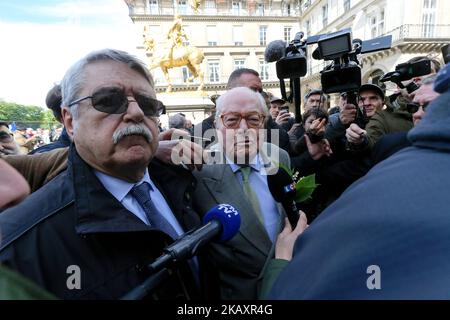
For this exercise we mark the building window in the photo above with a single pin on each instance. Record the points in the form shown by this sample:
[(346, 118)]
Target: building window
[(186, 74), (236, 8), (287, 34), (262, 35), (377, 24), (210, 7), (213, 71), (373, 26), (153, 6), (182, 7), (263, 70), (286, 8), (308, 27), (381, 23), (347, 5), (428, 18), (325, 15), (239, 63), (211, 35), (260, 9), (238, 36)]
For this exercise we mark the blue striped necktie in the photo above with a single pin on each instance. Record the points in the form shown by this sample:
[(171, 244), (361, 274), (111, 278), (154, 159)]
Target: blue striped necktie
[(142, 194)]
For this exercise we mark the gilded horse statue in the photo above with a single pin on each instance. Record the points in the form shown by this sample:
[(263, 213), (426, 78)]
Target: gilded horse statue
[(173, 53)]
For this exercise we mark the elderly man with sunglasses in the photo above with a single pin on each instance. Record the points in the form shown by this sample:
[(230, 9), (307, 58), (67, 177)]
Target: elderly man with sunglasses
[(91, 231), (239, 177)]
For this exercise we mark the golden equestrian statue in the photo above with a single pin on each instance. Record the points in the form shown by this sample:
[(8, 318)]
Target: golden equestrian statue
[(195, 4), (172, 53)]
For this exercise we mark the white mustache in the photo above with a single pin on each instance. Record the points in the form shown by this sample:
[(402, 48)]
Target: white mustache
[(133, 129)]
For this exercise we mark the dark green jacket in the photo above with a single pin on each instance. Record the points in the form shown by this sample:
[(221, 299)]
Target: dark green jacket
[(387, 121)]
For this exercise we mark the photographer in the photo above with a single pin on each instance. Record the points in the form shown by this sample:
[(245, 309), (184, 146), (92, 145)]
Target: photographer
[(312, 146), (280, 113)]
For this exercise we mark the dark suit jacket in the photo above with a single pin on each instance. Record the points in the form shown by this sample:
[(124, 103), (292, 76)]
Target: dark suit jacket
[(237, 265), (74, 220)]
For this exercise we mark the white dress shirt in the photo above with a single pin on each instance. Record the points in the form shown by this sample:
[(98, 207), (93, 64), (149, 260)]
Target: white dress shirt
[(120, 189)]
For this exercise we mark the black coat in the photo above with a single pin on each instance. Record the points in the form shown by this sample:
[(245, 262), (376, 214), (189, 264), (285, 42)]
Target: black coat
[(74, 220)]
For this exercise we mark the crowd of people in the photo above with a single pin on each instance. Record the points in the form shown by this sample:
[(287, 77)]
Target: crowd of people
[(115, 189)]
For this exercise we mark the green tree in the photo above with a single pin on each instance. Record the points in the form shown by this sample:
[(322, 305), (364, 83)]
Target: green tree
[(26, 116)]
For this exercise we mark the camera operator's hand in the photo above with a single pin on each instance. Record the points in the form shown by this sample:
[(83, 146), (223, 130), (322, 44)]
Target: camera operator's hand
[(282, 117), (319, 149), (317, 127), (347, 114), (355, 134)]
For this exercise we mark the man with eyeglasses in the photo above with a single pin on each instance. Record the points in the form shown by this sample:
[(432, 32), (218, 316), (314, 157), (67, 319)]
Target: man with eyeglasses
[(91, 232), (8, 145), (239, 177)]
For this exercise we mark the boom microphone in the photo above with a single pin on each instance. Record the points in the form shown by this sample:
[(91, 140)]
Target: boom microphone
[(282, 188), (221, 223), (275, 51)]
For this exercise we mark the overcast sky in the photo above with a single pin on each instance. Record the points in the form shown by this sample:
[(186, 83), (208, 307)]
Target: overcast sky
[(41, 39)]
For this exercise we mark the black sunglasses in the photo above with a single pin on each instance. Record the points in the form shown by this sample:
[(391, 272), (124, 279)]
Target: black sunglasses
[(114, 100), (414, 107)]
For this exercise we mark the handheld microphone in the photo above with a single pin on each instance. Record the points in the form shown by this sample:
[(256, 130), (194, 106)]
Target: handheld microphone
[(282, 188), (221, 222), (275, 51)]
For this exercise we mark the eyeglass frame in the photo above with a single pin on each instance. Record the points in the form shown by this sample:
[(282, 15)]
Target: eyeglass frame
[(411, 105), (241, 116), (161, 108)]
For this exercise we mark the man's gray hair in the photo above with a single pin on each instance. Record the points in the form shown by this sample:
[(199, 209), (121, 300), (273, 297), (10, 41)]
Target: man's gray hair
[(221, 101), (74, 78), (177, 121)]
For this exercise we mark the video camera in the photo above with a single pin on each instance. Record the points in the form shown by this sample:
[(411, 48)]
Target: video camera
[(342, 75), (407, 71)]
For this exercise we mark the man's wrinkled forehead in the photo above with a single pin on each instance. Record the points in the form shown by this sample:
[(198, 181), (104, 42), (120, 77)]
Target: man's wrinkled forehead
[(235, 102), (110, 73)]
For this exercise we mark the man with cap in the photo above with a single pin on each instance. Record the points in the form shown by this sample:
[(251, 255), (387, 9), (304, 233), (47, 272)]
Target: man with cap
[(279, 114), (315, 99), (382, 122)]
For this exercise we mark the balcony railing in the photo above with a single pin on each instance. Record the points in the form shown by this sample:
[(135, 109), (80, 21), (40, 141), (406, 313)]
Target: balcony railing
[(420, 31), (241, 12)]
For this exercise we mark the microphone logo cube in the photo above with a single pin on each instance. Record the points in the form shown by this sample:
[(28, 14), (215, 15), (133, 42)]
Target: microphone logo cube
[(289, 188)]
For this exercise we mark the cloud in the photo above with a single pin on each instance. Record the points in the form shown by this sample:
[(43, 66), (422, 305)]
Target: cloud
[(36, 55)]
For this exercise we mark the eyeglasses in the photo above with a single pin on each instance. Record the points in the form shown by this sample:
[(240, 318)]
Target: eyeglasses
[(232, 120), (414, 107), (114, 100), (6, 137)]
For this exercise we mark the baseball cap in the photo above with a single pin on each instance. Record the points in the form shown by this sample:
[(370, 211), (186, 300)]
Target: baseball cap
[(276, 99), (372, 87)]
